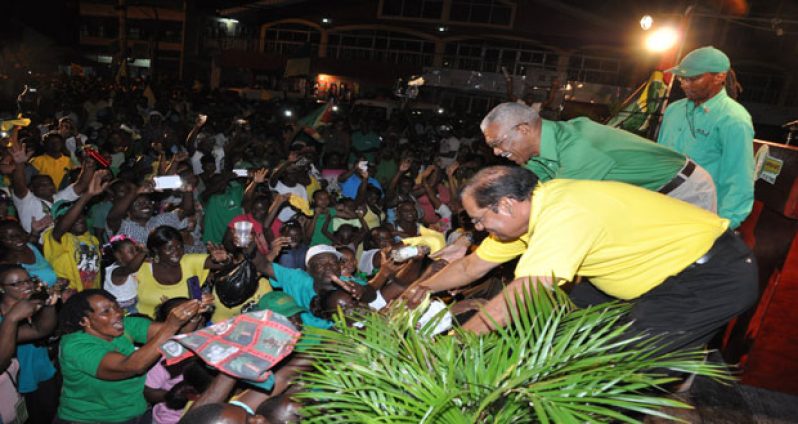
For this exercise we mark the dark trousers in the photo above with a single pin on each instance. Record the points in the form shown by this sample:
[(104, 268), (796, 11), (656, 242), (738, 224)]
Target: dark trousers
[(688, 308), (43, 403)]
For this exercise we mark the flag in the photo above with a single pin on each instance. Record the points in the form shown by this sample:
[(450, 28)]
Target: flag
[(319, 117), (642, 106)]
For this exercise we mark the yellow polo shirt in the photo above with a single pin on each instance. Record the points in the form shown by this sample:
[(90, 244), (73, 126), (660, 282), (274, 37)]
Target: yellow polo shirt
[(625, 239)]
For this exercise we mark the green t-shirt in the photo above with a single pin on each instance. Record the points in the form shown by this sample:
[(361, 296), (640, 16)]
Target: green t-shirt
[(98, 214), (86, 398), (220, 210), (386, 169), (581, 149), (318, 236)]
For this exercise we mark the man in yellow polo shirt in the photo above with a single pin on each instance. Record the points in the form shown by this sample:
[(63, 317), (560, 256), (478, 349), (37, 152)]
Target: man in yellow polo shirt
[(684, 271)]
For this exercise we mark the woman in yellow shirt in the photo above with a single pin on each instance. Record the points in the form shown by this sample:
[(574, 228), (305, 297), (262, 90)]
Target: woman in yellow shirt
[(171, 270)]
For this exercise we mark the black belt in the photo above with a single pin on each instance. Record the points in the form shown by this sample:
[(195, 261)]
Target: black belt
[(728, 234), (680, 178)]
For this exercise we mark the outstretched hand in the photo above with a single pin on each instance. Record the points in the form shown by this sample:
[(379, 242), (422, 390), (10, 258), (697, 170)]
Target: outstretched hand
[(218, 253), (259, 176), (98, 182), (20, 153), (355, 290)]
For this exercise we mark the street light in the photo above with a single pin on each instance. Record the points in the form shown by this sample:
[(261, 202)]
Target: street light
[(663, 39), (646, 22)]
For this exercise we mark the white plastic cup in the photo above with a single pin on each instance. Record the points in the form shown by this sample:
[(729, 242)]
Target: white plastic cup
[(242, 233)]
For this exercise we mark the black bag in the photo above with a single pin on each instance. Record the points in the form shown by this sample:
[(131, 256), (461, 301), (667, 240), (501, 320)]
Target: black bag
[(236, 283)]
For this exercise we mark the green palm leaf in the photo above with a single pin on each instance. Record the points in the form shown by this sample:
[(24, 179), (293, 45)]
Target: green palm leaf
[(552, 363)]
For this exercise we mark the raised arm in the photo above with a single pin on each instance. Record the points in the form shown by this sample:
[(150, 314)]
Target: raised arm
[(63, 225), (198, 124), (21, 156), (120, 274), (258, 177), (116, 366), (120, 207), (87, 170)]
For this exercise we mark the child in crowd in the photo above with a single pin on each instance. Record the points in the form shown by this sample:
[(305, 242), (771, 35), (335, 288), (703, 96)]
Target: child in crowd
[(293, 254), (170, 387), (120, 279)]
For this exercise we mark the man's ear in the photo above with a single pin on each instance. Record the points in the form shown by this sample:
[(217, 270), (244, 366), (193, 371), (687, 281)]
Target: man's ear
[(85, 323), (505, 206), (720, 78)]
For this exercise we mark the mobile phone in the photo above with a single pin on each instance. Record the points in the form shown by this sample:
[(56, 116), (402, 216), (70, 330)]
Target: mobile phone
[(168, 182), (363, 165), (194, 288), (241, 172), (31, 90)]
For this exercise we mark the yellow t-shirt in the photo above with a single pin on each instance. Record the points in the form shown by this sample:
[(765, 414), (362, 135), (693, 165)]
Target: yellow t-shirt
[(151, 292), (625, 239), (75, 258), (55, 168)]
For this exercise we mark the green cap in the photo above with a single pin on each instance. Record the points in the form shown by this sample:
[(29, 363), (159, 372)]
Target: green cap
[(60, 208), (701, 61), (280, 303)]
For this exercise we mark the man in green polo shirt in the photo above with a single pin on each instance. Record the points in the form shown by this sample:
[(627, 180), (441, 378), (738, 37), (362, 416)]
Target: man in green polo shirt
[(714, 130), (584, 150)]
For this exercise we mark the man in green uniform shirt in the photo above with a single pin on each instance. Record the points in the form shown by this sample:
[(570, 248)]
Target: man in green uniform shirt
[(713, 130), (584, 150)]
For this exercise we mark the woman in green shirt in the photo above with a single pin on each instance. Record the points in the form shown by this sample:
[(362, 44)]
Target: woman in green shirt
[(102, 370)]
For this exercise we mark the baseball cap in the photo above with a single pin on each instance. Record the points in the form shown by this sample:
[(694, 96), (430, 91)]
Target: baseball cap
[(318, 250), (60, 208), (280, 303), (701, 61)]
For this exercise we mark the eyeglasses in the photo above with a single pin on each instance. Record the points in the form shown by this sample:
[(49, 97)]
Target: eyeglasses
[(499, 141), (478, 221)]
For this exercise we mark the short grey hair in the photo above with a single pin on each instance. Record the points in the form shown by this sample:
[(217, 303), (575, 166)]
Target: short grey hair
[(509, 114)]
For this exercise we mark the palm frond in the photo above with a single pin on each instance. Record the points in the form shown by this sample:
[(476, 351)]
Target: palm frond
[(553, 363)]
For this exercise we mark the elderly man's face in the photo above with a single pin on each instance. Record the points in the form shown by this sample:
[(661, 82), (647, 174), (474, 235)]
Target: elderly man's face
[(517, 143), (499, 220)]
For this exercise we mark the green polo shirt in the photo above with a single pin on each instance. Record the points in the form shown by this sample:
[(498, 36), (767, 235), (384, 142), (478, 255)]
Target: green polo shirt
[(719, 136), (581, 149), (87, 398)]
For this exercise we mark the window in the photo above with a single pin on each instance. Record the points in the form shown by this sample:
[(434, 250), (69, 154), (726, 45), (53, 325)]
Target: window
[(381, 46), (492, 55), (289, 39), (600, 70), (493, 12), (424, 9)]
